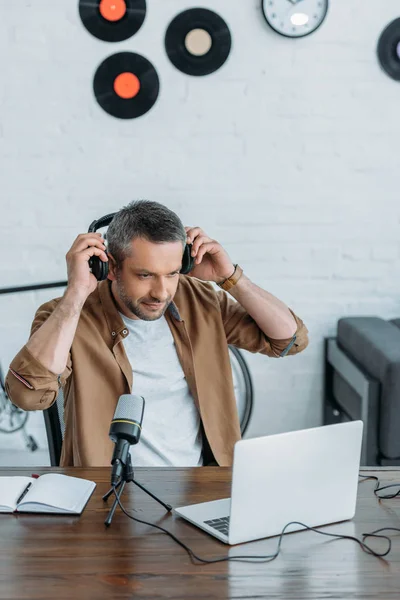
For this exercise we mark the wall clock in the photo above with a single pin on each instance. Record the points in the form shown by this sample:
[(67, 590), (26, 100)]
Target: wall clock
[(389, 49), (294, 18)]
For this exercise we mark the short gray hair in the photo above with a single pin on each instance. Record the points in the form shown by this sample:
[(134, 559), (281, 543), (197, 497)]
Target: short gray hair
[(142, 219)]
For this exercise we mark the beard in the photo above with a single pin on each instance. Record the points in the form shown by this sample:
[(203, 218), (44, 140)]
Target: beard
[(137, 308)]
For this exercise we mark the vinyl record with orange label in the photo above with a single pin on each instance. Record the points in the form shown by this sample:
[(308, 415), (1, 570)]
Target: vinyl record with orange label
[(389, 49), (126, 85), (198, 41), (112, 20)]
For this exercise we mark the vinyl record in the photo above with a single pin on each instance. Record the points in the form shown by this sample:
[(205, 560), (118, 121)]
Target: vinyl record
[(112, 20), (126, 85), (389, 49), (198, 41)]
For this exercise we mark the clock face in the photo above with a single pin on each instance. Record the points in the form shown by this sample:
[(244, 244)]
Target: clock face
[(294, 18)]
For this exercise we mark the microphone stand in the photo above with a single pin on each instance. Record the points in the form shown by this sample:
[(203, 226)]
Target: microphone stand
[(128, 476)]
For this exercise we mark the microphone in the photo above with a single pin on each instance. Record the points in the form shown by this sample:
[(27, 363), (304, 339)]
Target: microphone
[(125, 431)]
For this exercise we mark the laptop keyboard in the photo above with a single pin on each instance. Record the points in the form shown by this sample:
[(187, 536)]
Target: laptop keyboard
[(221, 525)]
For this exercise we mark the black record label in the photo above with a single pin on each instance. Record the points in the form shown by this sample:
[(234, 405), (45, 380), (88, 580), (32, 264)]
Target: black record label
[(198, 41), (126, 85), (389, 49), (112, 20)]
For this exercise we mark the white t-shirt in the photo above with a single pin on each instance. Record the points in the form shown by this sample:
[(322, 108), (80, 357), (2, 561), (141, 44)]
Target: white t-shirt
[(171, 434)]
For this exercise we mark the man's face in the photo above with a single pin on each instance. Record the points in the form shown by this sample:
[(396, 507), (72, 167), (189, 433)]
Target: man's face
[(147, 281)]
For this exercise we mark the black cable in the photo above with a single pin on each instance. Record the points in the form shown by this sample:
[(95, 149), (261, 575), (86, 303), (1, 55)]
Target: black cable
[(271, 557), (379, 488)]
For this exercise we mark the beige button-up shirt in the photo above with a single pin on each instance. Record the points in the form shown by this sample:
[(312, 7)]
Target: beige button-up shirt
[(202, 321)]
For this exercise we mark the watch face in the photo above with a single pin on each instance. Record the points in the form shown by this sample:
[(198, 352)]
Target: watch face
[(294, 18)]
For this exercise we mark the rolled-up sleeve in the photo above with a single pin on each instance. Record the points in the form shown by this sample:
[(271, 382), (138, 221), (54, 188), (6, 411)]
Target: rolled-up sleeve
[(243, 332), (29, 384)]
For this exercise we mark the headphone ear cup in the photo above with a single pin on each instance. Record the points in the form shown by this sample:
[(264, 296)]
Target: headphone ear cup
[(187, 260), (99, 268)]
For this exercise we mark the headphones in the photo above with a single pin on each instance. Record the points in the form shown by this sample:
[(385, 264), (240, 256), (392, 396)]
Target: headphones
[(99, 268)]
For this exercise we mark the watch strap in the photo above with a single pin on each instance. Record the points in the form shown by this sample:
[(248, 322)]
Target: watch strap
[(228, 284)]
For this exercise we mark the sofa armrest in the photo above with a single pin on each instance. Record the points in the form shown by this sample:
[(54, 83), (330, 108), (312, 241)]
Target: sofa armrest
[(374, 344), (395, 322), (372, 341)]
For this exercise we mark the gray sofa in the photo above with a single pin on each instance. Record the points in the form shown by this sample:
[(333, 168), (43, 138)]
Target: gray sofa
[(362, 381)]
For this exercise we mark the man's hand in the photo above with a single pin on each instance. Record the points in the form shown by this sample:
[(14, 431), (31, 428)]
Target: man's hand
[(80, 279), (212, 261)]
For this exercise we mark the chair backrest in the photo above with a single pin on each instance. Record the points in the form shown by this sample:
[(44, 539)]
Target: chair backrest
[(55, 427), (243, 387)]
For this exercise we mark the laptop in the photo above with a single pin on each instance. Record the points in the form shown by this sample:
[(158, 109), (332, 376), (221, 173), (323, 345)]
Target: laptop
[(309, 476)]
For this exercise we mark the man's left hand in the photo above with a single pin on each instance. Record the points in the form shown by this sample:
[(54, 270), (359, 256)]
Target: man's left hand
[(212, 262)]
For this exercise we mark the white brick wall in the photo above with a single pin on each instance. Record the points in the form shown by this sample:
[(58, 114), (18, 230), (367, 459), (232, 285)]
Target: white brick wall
[(288, 156)]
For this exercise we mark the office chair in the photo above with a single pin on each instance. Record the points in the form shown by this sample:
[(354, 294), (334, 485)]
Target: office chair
[(243, 387)]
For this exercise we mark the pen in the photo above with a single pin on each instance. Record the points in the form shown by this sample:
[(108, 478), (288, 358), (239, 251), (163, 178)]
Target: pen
[(24, 492)]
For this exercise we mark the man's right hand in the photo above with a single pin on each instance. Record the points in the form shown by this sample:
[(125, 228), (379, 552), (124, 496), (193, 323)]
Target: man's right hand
[(80, 280)]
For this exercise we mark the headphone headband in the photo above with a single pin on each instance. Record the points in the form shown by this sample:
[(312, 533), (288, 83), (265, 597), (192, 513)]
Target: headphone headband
[(102, 222)]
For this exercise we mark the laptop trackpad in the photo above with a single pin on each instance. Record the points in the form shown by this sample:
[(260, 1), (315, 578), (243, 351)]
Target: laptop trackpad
[(215, 509)]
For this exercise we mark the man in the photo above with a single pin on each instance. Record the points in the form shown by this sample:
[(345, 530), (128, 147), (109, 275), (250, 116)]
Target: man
[(148, 330)]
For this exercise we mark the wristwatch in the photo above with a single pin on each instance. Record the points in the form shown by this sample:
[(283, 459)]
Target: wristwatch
[(227, 284)]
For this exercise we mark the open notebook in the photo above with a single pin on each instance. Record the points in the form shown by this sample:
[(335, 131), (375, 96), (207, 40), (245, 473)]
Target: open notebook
[(50, 493)]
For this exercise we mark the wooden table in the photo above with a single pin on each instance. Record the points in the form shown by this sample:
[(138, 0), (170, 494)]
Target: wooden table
[(67, 557)]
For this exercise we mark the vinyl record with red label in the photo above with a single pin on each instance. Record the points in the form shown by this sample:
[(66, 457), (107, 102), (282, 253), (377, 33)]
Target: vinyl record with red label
[(198, 41), (389, 49), (112, 20), (126, 85)]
